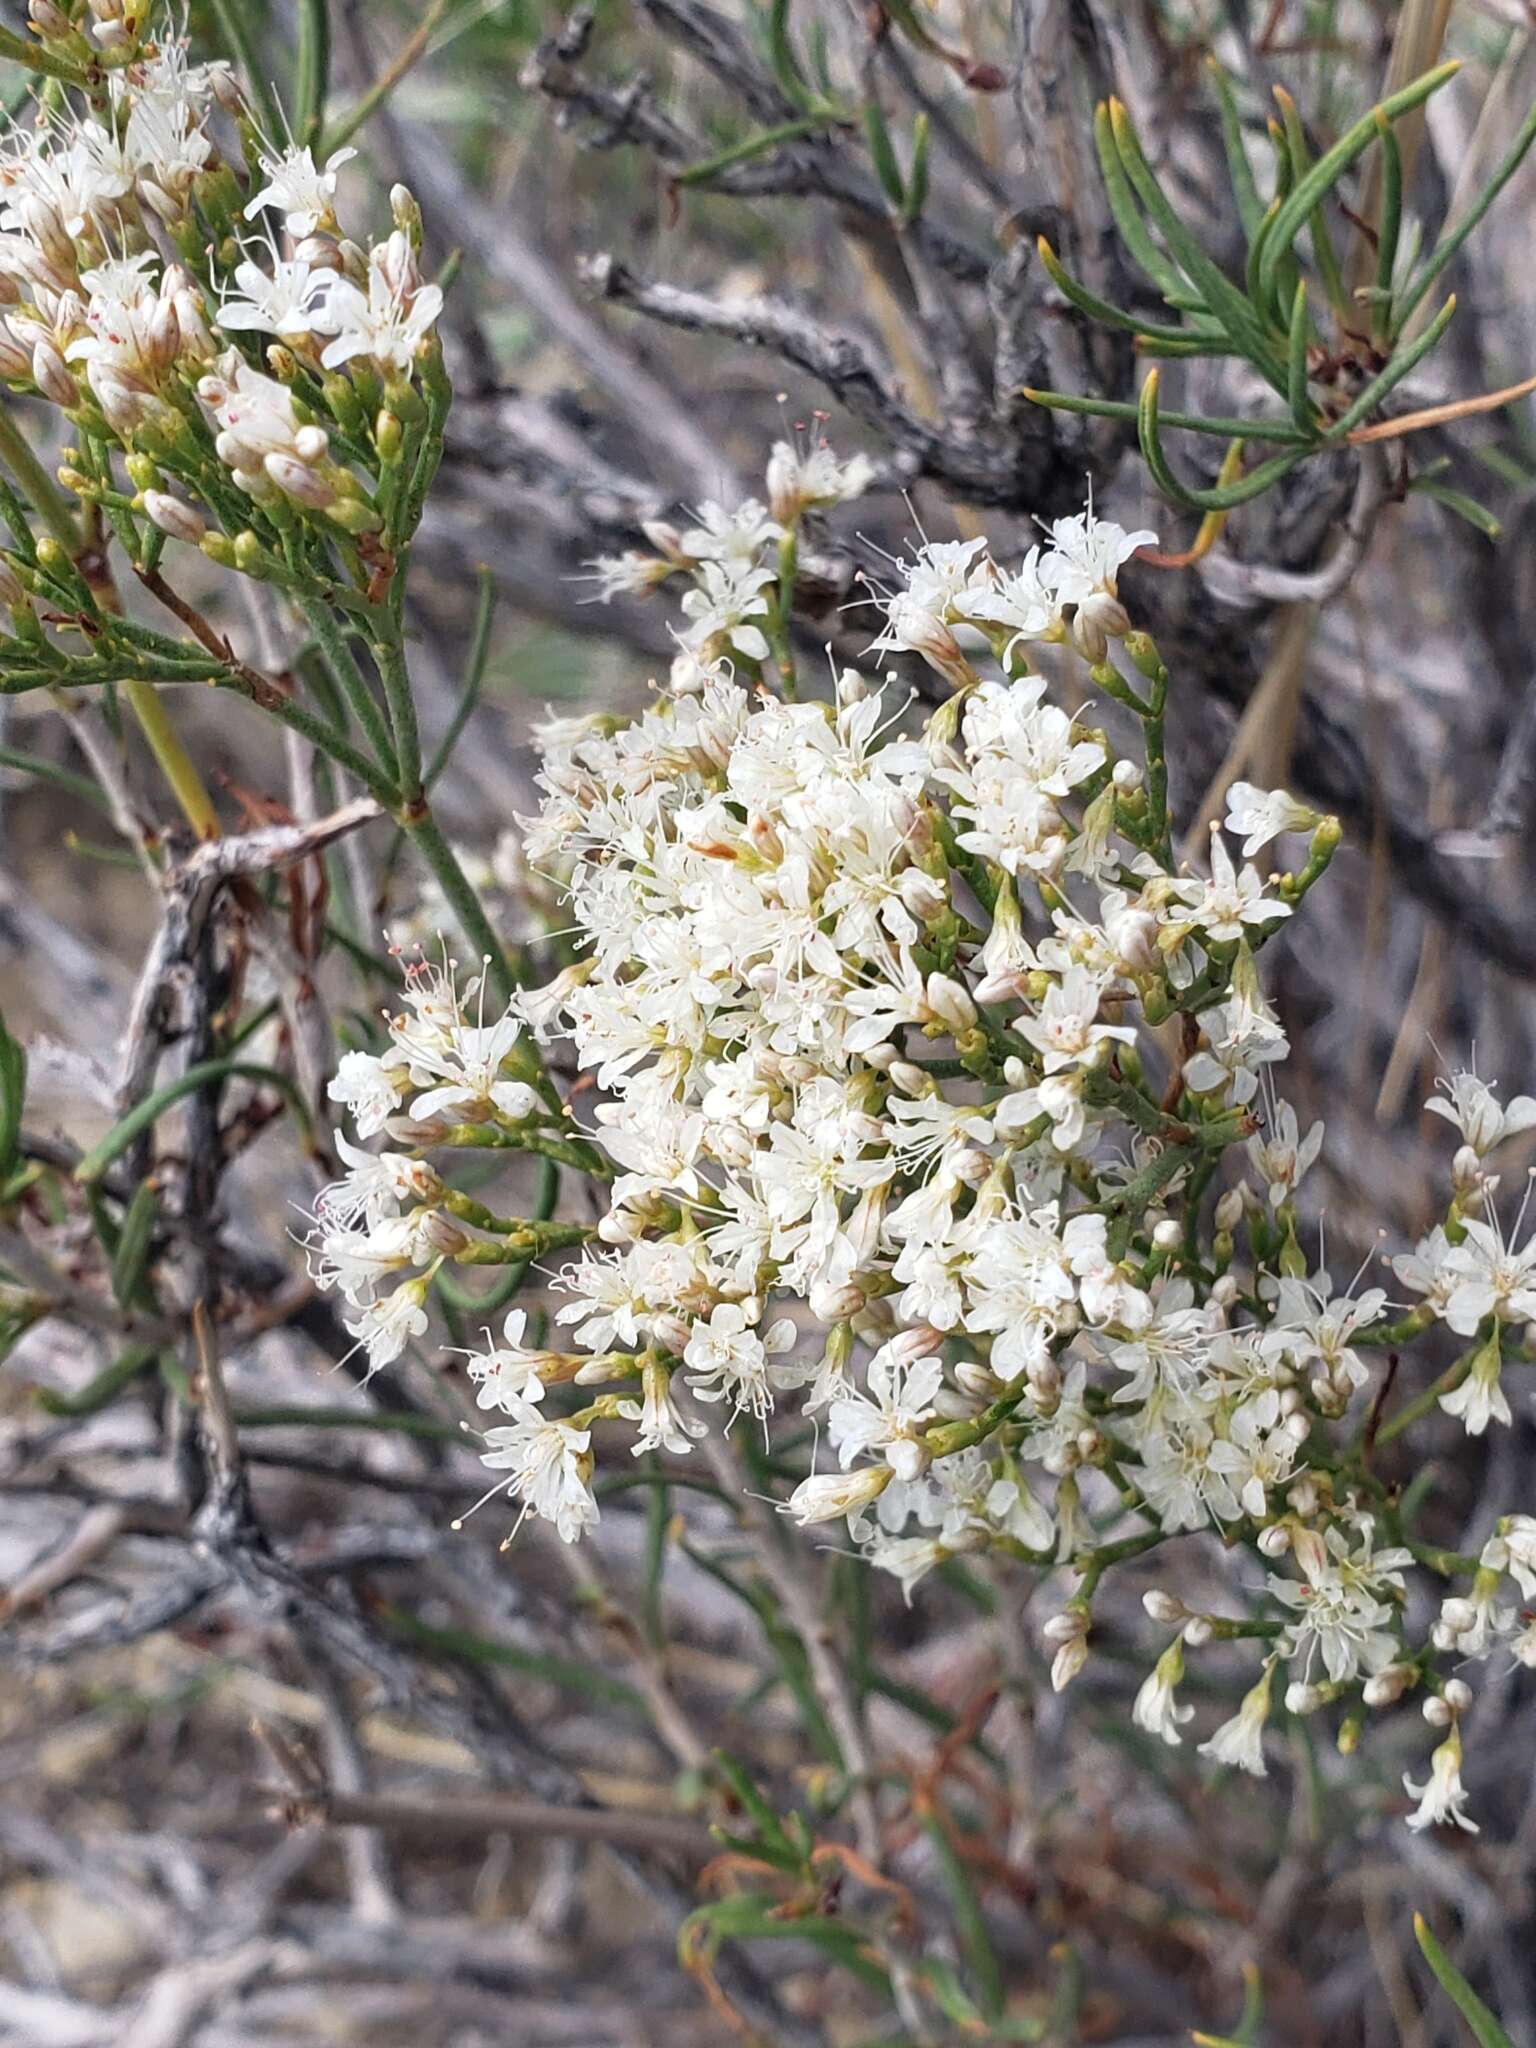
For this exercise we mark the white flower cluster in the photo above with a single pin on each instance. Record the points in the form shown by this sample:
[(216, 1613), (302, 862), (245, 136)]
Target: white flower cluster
[(96, 320), (919, 1059)]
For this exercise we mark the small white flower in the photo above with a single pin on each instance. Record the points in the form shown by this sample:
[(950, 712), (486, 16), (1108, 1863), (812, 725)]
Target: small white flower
[(1240, 1741), (828, 1496), (799, 478), (299, 190), (1480, 1399), (549, 1468), (1473, 1107), (1258, 815), (279, 301), (1155, 1708), (1442, 1797), (388, 323)]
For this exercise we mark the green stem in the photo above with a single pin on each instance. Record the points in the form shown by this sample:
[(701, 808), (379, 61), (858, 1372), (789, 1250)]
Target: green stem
[(573, 1152), (390, 655), (48, 501), (427, 837), (351, 681)]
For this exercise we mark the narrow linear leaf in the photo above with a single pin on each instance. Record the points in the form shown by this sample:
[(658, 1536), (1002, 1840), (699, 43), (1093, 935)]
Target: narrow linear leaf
[(1442, 415), (146, 1113), (1323, 253), (1107, 315), (1485, 2029), (1221, 295), (1225, 428), (13, 1090), (133, 1244), (1390, 229), (1223, 497), (312, 70), (1296, 361), (1464, 506), (917, 174), (1127, 213), (1250, 207), (1333, 163), (883, 156), (1448, 245)]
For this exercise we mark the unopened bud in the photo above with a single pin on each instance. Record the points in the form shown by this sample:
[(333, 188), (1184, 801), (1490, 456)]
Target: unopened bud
[(1164, 1607), (47, 19), (51, 375), (951, 1003), (1168, 1235), (1437, 1712), (298, 481), (1229, 1210), (1385, 1688), (181, 521)]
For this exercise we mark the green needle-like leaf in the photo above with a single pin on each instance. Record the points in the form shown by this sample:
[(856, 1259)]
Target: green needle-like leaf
[(1451, 242), (1111, 316), (1250, 207), (1390, 229), (1222, 497), (1485, 2029), (1296, 362), (1310, 190), (1221, 295), (1225, 429)]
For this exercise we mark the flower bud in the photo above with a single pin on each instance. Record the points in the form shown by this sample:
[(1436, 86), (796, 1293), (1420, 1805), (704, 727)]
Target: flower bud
[(1384, 1688), (298, 481), (977, 1380), (1437, 1712), (907, 1458), (1067, 1663), (1068, 1626), (1458, 1695), (1303, 1699), (909, 1078), (1168, 1235), (1198, 1631), (1164, 1607), (1229, 1210), (181, 521), (51, 375), (951, 1003)]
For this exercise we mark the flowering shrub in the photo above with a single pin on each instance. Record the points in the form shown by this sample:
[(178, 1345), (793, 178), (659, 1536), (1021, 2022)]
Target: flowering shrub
[(940, 1107), (895, 1099)]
